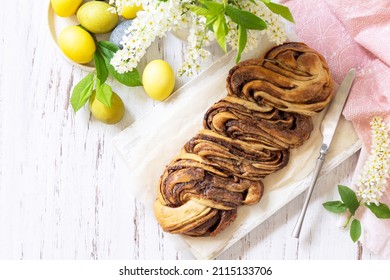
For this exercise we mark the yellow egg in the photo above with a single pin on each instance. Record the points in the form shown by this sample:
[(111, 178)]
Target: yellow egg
[(77, 44), (107, 115), (130, 12), (158, 79), (65, 8), (96, 17)]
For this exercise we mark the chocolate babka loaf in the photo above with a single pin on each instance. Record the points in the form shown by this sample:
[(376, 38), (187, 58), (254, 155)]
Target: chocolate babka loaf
[(245, 137)]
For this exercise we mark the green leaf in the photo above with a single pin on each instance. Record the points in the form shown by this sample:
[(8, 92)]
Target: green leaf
[(213, 6), (221, 30), (101, 68), (103, 93), (349, 198), (245, 19), (210, 20), (81, 92), (107, 48), (335, 206), (280, 10), (131, 79), (381, 211), (211, 16), (355, 230), (200, 11), (242, 39)]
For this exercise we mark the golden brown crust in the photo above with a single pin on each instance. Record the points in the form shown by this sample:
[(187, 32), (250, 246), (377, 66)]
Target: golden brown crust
[(291, 78), (247, 136), (195, 200), (258, 125), (236, 157)]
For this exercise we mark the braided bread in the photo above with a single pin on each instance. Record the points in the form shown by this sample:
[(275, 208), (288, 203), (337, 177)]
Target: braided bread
[(291, 77), (256, 124), (245, 137)]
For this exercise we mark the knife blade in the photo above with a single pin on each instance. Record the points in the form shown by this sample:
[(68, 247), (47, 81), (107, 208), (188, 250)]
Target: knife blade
[(328, 128), (331, 119)]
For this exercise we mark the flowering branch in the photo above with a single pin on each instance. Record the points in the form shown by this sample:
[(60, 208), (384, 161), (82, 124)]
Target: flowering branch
[(370, 185), (372, 182), (232, 23)]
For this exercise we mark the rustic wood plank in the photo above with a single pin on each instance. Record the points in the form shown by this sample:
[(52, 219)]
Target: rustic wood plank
[(63, 190)]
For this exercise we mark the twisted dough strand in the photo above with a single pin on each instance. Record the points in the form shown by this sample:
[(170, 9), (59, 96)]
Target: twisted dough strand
[(247, 136), (291, 78), (258, 125)]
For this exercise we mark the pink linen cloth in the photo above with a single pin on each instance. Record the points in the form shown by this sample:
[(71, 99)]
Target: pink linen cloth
[(355, 33)]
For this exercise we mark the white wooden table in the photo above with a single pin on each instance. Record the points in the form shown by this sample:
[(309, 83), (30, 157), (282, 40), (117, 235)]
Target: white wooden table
[(63, 194)]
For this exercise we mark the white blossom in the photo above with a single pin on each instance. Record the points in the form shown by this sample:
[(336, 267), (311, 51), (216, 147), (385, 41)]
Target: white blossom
[(159, 17), (372, 181)]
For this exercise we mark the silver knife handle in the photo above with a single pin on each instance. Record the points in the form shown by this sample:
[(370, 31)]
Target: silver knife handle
[(317, 169)]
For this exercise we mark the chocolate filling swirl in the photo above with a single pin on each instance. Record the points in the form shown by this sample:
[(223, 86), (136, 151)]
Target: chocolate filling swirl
[(246, 136), (291, 78), (258, 125)]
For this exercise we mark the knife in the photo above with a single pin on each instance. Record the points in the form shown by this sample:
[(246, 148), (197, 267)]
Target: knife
[(328, 128)]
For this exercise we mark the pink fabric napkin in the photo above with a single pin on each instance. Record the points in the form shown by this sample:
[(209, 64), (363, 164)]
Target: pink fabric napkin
[(355, 33)]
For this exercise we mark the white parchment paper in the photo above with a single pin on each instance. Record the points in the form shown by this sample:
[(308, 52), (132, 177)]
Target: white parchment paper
[(150, 143)]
